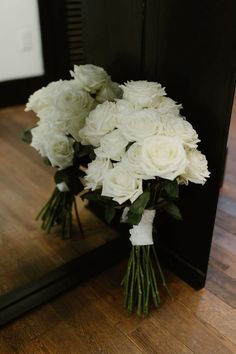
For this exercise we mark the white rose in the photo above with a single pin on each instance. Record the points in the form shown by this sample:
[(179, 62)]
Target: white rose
[(40, 134), (132, 161), (59, 100), (120, 185), (70, 99), (76, 123), (59, 150), (197, 169), (137, 125), (168, 106), (57, 147), (90, 77), (108, 92), (124, 106), (143, 94), (95, 173), (99, 122), (112, 146), (163, 156), (181, 128), (37, 101)]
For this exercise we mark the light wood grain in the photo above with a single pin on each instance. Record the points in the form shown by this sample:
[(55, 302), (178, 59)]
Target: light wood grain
[(26, 252)]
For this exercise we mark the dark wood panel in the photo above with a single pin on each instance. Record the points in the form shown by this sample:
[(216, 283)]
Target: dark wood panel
[(192, 53), (113, 36)]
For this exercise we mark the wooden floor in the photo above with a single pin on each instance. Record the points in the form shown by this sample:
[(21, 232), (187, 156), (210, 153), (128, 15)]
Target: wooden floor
[(90, 318)]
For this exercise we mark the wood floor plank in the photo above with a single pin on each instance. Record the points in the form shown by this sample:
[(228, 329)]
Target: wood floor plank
[(91, 325), (60, 339), (226, 221), (29, 327), (208, 308), (223, 259), (222, 285), (224, 239), (152, 339), (184, 325)]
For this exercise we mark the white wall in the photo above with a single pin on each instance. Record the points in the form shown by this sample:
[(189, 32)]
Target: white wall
[(20, 40)]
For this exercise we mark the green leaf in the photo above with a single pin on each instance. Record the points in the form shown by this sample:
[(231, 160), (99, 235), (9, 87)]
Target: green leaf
[(160, 203), (109, 213), (84, 150), (47, 161), (141, 202), (137, 208), (133, 218), (171, 189), (92, 195), (173, 210), (27, 136), (76, 147)]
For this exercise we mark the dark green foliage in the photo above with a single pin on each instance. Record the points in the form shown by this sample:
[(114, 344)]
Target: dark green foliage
[(110, 213), (137, 208), (171, 189), (173, 210), (27, 136), (71, 176)]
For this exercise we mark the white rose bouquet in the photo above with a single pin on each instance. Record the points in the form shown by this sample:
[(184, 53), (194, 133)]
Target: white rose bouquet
[(61, 108), (144, 149)]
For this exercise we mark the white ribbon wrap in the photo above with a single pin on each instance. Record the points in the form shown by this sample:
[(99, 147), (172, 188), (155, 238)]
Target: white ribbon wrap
[(141, 234), (63, 187)]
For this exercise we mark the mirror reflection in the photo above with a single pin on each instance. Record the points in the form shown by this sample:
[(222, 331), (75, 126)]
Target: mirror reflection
[(26, 251)]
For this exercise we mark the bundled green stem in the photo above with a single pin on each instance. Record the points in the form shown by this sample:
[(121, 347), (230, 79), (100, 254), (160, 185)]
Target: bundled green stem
[(58, 211), (140, 281)]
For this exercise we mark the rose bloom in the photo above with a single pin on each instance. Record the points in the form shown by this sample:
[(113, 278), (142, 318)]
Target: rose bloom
[(138, 125), (112, 146), (163, 156), (59, 100), (76, 123), (40, 134), (108, 92), (124, 106), (90, 77), (121, 185), (57, 147), (59, 150), (99, 122), (143, 94), (95, 173), (181, 128), (168, 106), (197, 169), (132, 161)]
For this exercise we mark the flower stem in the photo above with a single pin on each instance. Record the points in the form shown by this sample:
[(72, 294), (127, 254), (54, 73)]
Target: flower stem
[(161, 273), (58, 211), (77, 216), (130, 303), (139, 284)]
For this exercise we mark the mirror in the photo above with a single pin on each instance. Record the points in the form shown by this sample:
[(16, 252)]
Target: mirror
[(31, 259), (26, 251), (34, 265)]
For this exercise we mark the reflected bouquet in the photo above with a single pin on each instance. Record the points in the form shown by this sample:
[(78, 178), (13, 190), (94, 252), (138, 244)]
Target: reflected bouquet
[(61, 109), (144, 149)]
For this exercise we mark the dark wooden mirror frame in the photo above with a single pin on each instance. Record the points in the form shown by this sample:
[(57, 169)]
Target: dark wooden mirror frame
[(157, 40)]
